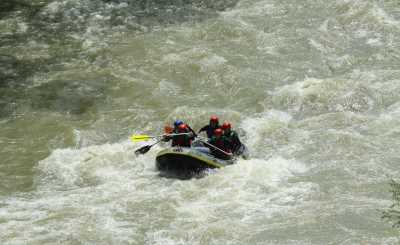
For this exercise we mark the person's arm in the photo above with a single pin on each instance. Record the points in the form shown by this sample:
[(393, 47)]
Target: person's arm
[(193, 132), (236, 142), (166, 138), (203, 129), (210, 142)]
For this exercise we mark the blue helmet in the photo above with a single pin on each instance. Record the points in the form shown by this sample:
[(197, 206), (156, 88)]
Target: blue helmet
[(177, 123)]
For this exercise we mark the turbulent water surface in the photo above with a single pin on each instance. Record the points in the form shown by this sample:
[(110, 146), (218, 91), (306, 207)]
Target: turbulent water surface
[(313, 87)]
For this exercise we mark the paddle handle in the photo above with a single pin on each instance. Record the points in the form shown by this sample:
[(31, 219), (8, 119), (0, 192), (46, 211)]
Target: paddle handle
[(162, 135), (213, 146), (174, 134), (146, 137)]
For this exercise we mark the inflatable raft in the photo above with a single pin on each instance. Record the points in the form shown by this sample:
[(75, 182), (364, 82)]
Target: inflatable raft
[(191, 159)]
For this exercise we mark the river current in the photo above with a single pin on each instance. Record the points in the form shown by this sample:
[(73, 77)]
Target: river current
[(312, 87)]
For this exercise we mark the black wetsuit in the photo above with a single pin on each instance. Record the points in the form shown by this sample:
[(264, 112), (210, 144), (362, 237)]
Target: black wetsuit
[(209, 130), (233, 141), (222, 144)]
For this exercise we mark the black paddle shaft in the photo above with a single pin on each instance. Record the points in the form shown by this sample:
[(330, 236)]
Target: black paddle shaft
[(145, 149)]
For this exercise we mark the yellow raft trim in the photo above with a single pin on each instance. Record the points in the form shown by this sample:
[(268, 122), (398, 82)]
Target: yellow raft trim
[(166, 151)]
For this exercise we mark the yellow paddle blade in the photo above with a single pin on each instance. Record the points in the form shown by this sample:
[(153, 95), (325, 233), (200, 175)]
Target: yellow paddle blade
[(136, 138)]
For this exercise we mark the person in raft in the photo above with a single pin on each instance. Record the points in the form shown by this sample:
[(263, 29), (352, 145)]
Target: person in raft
[(231, 138), (184, 140), (174, 130), (211, 127), (184, 137), (219, 141)]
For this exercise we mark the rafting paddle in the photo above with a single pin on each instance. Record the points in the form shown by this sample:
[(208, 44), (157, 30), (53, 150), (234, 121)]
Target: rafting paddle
[(146, 148), (140, 137), (136, 138), (213, 146)]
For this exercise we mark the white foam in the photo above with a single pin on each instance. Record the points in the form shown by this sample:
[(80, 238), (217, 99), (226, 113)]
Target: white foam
[(383, 17), (93, 165), (167, 88), (367, 11), (375, 42), (54, 7), (241, 194), (255, 9), (171, 59), (22, 27), (260, 130), (315, 96), (319, 46), (106, 192), (212, 62)]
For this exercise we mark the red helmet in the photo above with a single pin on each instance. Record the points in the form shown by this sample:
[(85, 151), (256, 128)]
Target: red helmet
[(226, 125), (182, 127), (214, 119), (218, 132)]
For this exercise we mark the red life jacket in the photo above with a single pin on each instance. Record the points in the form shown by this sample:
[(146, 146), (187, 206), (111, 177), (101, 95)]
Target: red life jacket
[(221, 144), (181, 140)]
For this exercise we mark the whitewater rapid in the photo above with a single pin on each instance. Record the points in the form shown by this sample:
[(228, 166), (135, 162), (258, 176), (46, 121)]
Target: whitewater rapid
[(312, 87)]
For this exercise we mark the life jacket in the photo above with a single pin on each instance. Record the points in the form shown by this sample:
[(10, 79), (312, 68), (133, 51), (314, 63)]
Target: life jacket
[(220, 143), (232, 141), (210, 130), (181, 140)]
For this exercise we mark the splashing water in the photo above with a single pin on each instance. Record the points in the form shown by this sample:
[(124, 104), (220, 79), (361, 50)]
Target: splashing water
[(312, 87)]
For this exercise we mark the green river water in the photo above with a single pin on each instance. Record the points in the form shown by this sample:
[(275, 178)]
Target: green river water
[(313, 88)]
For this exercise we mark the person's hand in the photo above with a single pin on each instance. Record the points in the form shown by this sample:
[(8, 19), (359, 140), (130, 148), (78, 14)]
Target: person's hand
[(165, 138)]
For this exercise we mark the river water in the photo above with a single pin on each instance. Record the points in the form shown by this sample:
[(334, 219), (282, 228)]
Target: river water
[(313, 88)]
